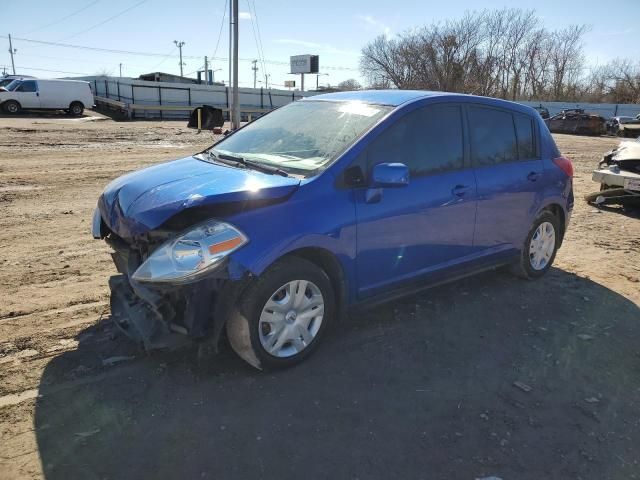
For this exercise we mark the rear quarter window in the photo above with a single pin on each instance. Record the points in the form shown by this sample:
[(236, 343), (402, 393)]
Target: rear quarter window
[(525, 136)]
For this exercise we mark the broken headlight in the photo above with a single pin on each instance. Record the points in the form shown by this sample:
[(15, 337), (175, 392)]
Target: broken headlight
[(191, 254)]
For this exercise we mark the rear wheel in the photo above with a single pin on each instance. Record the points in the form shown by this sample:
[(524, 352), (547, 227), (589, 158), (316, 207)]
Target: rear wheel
[(76, 109), (540, 247), (283, 315), (12, 107)]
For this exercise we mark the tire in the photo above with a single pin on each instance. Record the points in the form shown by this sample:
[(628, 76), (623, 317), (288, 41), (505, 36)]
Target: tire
[(76, 109), (254, 327), (12, 107), (529, 265)]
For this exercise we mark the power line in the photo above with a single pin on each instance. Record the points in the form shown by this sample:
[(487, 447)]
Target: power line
[(105, 21), (259, 41), (164, 59), (255, 38), (224, 14), (55, 71), (150, 54), (63, 18)]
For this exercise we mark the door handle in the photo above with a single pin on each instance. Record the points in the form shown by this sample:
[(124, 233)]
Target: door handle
[(533, 176), (460, 190)]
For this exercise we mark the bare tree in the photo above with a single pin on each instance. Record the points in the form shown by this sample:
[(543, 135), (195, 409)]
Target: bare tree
[(505, 53), (350, 84), (625, 77)]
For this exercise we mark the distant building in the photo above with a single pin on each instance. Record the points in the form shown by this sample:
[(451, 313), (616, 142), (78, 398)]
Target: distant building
[(170, 78), (166, 78)]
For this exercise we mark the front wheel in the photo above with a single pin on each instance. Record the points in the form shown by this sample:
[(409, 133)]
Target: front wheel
[(282, 316), (12, 107), (540, 247)]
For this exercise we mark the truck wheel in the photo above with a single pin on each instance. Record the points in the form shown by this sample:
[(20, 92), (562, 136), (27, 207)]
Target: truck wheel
[(540, 247), (76, 109), (282, 316), (12, 107)]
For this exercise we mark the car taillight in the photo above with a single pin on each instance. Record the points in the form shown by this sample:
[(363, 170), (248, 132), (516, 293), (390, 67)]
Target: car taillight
[(565, 165)]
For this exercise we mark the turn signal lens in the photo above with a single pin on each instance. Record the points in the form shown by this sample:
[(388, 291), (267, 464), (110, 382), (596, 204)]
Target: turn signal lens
[(226, 245)]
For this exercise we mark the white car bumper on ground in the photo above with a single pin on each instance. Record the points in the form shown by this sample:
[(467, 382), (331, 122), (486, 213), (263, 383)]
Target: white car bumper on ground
[(617, 178)]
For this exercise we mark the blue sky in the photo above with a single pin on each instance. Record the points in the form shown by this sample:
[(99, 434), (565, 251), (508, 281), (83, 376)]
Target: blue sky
[(336, 30)]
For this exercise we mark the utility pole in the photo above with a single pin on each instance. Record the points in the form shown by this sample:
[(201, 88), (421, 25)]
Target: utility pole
[(12, 51), (206, 70), (236, 94), (266, 80), (255, 72), (302, 82), (180, 45), (120, 70), (230, 46)]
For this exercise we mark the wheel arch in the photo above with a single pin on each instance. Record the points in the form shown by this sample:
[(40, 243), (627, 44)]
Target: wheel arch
[(557, 210), (2, 104), (330, 264)]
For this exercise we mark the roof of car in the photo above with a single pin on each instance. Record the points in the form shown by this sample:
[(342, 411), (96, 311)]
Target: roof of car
[(380, 97), (395, 98)]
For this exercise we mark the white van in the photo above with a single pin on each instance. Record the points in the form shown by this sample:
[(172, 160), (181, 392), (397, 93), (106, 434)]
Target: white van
[(72, 96)]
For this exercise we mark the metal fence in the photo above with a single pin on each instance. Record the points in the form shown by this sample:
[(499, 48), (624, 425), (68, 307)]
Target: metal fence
[(143, 94), (134, 92)]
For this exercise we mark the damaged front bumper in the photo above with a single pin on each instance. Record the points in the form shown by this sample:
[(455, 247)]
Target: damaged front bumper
[(167, 315)]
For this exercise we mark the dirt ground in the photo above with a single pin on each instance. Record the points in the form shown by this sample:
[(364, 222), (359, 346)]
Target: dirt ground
[(426, 387)]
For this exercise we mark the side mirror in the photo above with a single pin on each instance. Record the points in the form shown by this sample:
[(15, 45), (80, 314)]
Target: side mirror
[(390, 175)]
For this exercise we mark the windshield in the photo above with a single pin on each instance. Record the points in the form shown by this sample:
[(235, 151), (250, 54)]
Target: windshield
[(11, 86), (303, 137)]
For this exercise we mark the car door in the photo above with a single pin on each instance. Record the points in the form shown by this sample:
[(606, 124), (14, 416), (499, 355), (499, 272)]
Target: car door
[(407, 232), (27, 94), (509, 173)]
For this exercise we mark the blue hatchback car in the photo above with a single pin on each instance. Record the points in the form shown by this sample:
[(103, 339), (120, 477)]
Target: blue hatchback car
[(342, 199)]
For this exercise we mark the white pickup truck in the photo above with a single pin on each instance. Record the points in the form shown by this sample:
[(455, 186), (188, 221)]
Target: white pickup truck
[(72, 96)]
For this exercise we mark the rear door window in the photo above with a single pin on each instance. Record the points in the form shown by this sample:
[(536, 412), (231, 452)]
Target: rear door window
[(428, 140), (525, 136), (492, 135)]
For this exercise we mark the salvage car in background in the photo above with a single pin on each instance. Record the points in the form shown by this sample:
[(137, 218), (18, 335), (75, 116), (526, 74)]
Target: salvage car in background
[(630, 128), (326, 203), (576, 121), (618, 174), (616, 126), (543, 111)]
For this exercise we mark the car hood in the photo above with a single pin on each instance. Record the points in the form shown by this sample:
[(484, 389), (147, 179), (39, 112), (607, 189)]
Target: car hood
[(143, 200)]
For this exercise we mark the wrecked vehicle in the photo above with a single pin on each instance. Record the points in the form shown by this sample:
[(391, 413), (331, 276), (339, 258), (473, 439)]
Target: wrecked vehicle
[(327, 203), (629, 128), (615, 125), (543, 111), (618, 174), (576, 121)]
